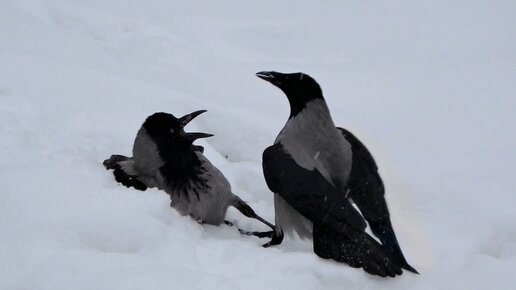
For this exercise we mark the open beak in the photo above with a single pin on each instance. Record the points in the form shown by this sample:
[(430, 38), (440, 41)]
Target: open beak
[(194, 136), (183, 121)]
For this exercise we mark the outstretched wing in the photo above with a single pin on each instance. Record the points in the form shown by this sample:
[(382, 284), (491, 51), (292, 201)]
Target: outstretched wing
[(308, 191)]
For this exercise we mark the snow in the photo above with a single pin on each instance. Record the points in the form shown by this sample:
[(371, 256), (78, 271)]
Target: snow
[(429, 87)]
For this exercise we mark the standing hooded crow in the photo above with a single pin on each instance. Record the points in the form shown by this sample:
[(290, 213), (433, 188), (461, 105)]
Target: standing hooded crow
[(164, 157), (314, 169)]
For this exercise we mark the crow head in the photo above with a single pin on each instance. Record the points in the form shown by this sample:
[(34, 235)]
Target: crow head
[(168, 131), (300, 88)]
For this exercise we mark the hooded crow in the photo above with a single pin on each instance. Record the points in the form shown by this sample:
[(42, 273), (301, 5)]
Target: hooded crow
[(164, 157), (315, 171)]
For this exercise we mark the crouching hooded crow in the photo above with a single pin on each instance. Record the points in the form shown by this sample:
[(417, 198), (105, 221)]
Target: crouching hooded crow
[(164, 157), (314, 169)]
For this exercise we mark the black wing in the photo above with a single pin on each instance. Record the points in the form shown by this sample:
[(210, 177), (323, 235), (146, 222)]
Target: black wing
[(359, 148), (120, 175), (367, 191), (338, 228), (308, 191)]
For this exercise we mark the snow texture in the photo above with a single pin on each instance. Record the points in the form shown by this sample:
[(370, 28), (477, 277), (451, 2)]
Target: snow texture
[(428, 86)]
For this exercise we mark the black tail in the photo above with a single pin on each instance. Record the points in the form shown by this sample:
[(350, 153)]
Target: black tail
[(384, 231), (354, 248), (368, 193), (120, 175), (370, 199), (246, 210)]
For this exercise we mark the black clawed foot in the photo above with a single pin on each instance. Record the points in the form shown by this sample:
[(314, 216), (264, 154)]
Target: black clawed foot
[(112, 162), (276, 239), (260, 235), (268, 234)]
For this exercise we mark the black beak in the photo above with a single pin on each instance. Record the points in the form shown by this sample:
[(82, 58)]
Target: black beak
[(183, 121), (194, 136), (267, 75), (272, 77)]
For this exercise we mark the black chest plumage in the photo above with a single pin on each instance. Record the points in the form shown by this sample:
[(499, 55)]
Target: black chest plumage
[(183, 171)]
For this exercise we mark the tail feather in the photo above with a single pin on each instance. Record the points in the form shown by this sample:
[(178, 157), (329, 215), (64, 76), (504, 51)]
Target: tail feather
[(368, 192), (384, 231), (123, 170), (356, 249), (370, 199)]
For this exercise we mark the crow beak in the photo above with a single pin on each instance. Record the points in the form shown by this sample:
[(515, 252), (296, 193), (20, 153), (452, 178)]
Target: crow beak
[(194, 136), (266, 75), (183, 121), (272, 77)]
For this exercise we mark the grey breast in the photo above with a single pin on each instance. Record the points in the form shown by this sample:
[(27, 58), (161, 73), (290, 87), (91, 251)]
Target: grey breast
[(313, 141), (214, 196)]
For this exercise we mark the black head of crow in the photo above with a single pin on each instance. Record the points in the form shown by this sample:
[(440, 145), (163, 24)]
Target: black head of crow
[(316, 170), (299, 88), (181, 164), (165, 128), (164, 157)]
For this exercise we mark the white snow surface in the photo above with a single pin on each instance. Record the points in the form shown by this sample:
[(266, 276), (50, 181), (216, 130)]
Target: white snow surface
[(429, 87)]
